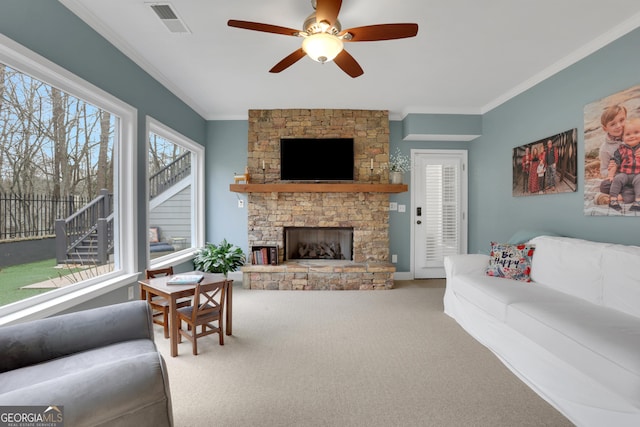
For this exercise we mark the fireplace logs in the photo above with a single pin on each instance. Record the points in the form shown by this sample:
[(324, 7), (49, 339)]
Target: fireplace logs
[(329, 243), (322, 250)]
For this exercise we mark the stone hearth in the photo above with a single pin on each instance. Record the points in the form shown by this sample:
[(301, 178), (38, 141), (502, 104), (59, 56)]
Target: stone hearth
[(320, 275)]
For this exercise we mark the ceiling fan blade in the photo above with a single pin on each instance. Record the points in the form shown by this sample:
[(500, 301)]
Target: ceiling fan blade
[(288, 61), (266, 28), (348, 64), (371, 33), (327, 10)]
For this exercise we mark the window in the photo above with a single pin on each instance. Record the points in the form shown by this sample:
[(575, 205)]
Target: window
[(74, 139), (175, 194)]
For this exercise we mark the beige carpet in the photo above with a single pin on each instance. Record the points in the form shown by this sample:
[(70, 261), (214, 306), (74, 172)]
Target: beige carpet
[(347, 358)]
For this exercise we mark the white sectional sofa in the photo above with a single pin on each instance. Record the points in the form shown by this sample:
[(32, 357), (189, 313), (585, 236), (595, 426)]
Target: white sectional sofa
[(572, 333)]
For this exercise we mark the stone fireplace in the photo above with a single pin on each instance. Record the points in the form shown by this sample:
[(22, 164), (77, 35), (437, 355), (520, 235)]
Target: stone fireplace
[(273, 215)]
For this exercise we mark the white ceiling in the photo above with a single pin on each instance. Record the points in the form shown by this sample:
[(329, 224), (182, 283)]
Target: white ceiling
[(469, 55)]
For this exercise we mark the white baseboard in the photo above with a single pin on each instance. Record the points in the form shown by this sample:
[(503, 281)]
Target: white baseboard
[(403, 275)]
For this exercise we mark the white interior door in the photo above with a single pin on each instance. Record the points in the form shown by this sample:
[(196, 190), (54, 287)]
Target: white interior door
[(439, 209)]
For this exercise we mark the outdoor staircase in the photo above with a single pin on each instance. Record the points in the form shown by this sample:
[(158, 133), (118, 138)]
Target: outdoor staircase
[(87, 236), (86, 252)]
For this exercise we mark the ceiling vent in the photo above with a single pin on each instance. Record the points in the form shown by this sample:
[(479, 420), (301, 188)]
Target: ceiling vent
[(169, 18)]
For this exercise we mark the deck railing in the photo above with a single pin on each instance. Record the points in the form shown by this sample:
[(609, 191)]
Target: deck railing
[(175, 171)]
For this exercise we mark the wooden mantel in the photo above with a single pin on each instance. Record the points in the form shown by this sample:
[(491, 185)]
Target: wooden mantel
[(318, 188)]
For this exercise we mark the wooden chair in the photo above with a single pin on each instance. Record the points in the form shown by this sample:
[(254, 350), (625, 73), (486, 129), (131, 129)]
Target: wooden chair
[(159, 305), (207, 308)]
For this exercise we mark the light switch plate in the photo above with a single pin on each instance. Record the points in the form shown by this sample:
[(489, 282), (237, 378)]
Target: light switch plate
[(402, 208), (393, 206), (240, 203)]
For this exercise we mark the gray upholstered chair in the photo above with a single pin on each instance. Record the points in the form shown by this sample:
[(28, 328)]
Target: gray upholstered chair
[(101, 365)]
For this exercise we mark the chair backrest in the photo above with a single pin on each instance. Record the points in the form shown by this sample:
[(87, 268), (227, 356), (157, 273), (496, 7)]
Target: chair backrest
[(159, 272), (208, 299)]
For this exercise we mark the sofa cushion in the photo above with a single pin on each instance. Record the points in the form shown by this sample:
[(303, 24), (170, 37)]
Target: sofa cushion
[(621, 278), (77, 362), (493, 295), (572, 266), (161, 247), (601, 342), (510, 261)]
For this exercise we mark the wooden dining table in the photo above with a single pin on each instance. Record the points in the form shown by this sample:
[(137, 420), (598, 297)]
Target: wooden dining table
[(159, 286)]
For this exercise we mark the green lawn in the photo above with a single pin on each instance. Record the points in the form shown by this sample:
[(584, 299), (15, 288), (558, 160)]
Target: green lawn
[(14, 277)]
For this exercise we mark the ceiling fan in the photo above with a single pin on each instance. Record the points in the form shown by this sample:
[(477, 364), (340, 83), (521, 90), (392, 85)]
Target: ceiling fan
[(323, 36)]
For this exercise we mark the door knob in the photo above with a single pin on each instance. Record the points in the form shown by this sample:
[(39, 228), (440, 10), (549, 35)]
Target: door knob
[(419, 222)]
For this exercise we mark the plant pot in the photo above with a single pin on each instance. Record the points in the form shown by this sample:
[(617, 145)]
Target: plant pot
[(395, 177)]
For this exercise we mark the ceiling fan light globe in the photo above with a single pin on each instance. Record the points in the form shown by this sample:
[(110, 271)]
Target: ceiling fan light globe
[(322, 47)]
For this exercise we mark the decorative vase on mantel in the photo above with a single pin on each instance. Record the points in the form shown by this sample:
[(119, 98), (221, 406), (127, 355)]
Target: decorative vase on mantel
[(395, 177)]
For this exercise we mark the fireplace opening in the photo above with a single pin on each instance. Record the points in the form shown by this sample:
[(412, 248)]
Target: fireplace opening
[(318, 243)]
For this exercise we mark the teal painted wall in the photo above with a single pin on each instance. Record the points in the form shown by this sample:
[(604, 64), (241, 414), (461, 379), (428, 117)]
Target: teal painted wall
[(553, 106), (226, 155)]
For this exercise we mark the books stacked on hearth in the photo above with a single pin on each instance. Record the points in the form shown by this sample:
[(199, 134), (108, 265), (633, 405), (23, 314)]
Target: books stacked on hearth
[(185, 279), (264, 255)]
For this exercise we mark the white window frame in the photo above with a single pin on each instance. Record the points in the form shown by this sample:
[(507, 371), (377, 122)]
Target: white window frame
[(197, 193), (125, 271)]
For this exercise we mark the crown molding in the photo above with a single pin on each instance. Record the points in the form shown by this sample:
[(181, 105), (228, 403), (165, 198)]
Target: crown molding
[(121, 44), (599, 42)]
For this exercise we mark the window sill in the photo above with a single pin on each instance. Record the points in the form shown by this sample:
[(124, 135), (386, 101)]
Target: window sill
[(23, 311), (173, 259)]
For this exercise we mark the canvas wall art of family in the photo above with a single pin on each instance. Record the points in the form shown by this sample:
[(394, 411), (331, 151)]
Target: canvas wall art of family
[(612, 155), (546, 166)]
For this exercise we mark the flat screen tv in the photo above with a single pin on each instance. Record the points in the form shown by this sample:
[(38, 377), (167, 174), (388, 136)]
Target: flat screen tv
[(316, 159)]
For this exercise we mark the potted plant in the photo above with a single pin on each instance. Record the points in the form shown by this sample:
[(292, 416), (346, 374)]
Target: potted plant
[(221, 258), (398, 165)]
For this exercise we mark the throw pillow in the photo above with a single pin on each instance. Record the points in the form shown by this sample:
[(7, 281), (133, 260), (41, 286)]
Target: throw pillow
[(510, 261), (154, 235)]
